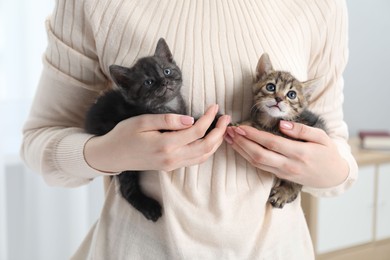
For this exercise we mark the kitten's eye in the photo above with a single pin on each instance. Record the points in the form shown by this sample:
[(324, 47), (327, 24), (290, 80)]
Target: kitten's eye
[(291, 94), (270, 87), (148, 82), (167, 72)]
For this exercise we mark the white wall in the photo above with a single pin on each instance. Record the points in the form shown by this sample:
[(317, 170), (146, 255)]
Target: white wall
[(37, 222), (42, 222), (367, 77)]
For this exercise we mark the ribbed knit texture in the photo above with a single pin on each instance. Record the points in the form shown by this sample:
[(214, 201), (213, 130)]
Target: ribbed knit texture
[(216, 210)]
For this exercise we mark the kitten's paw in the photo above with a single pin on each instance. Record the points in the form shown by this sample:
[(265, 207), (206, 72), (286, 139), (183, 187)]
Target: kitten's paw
[(249, 123), (151, 209), (279, 196)]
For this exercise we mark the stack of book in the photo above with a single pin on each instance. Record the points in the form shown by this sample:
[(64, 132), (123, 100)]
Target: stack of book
[(375, 140)]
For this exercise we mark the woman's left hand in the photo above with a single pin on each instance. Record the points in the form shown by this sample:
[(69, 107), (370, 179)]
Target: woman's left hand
[(315, 163)]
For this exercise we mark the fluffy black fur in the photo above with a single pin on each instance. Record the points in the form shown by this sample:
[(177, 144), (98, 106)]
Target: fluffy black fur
[(151, 86)]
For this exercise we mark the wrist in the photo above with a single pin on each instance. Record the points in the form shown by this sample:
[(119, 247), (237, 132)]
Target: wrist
[(95, 155), (343, 174), (339, 174)]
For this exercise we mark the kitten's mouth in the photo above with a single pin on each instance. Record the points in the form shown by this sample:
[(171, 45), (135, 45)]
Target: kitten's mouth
[(164, 91), (275, 106)]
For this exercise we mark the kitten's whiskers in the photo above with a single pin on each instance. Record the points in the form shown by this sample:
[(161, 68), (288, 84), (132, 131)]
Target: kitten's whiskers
[(255, 107)]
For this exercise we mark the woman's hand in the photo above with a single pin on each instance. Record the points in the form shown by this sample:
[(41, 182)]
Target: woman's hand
[(137, 143), (315, 163)]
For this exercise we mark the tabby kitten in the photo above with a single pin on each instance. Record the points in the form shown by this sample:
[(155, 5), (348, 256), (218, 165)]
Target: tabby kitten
[(151, 86), (280, 96)]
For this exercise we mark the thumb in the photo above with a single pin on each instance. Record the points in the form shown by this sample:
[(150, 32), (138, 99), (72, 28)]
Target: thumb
[(303, 132), (153, 122)]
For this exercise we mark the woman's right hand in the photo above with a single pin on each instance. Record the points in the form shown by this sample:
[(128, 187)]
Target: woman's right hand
[(137, 144)]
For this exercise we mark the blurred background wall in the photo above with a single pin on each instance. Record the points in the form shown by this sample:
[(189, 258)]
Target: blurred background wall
[(367, 77), (37, 222)]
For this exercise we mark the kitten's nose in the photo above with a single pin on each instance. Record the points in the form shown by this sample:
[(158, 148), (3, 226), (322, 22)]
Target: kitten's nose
[(278, 99), (164, 83)]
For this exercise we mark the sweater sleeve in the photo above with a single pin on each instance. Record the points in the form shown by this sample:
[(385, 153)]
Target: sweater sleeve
[(53, 135), (329, 56)]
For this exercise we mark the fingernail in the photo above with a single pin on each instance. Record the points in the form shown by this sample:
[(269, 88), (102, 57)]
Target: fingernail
[(228, 119), (286, 125), (228, 139), (230, 132), (239, 131), (216, 108), (187, 120)]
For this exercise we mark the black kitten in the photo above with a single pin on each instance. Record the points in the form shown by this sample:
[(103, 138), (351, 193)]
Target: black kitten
[(151, 86)]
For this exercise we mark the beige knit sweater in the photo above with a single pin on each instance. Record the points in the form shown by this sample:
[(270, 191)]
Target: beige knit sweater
[(216, 210)]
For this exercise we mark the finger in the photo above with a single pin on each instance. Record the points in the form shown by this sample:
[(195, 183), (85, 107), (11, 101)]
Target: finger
[(199, 129), (284, 146), (184, 148), (205, 147), (210, 143), (219, 129), (303, 132), (258, 154), (153, 122), (246, 156), (267, 140), (204, 122)]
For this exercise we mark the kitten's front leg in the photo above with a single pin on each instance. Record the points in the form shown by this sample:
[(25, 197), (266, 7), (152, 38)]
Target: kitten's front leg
[(131, 191), (248, 122), (283, 192)]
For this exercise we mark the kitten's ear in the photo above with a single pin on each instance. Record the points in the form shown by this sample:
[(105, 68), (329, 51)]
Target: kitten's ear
[(120, 75), (264, 66), (311, 85), (162, 50)]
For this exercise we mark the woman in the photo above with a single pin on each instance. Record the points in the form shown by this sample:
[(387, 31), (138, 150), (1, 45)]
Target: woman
[(214, 193)]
